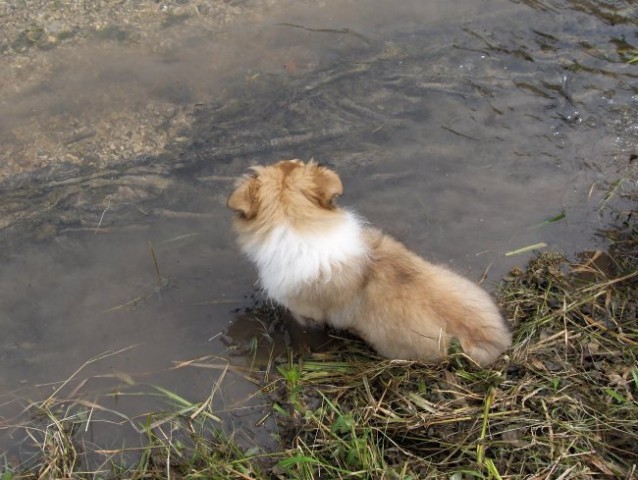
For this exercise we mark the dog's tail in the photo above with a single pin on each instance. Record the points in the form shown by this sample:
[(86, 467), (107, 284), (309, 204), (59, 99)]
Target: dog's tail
[(484, 334), (475, 321), (486, 348)]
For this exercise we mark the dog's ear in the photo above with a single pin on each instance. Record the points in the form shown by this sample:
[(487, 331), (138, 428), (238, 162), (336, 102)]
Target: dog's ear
[(329, 187), (245, 200)]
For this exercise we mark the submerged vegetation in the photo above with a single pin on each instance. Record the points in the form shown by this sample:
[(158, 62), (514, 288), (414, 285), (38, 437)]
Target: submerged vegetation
[(562, 404)]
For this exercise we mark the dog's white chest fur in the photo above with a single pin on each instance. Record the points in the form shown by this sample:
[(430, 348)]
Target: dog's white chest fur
[(289, 260)]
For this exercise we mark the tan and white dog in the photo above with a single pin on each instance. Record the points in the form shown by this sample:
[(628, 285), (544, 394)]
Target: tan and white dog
[(324, 264)]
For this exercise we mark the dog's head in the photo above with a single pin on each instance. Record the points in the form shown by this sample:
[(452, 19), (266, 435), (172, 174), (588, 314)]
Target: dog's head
[(287, 190)]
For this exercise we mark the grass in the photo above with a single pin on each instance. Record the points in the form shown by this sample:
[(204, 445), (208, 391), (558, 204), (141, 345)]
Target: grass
[(562, 404)]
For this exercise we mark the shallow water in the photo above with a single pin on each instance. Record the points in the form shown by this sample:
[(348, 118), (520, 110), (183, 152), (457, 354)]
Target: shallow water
[(459, 127)]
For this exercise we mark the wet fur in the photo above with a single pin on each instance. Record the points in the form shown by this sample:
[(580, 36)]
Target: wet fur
[(323, 263)]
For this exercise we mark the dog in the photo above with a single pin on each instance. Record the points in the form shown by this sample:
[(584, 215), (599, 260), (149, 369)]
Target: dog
[(326, 265)]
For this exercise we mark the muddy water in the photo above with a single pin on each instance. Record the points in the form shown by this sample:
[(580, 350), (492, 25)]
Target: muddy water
[(459, 127)]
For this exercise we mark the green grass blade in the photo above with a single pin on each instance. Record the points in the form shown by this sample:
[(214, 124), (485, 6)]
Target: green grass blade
[(526, 249)]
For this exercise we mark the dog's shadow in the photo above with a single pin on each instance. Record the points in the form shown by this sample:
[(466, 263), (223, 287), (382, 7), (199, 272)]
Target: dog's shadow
[(265, 332)]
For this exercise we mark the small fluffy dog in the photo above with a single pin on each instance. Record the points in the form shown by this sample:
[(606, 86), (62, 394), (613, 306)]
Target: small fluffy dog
[(324, 264)]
